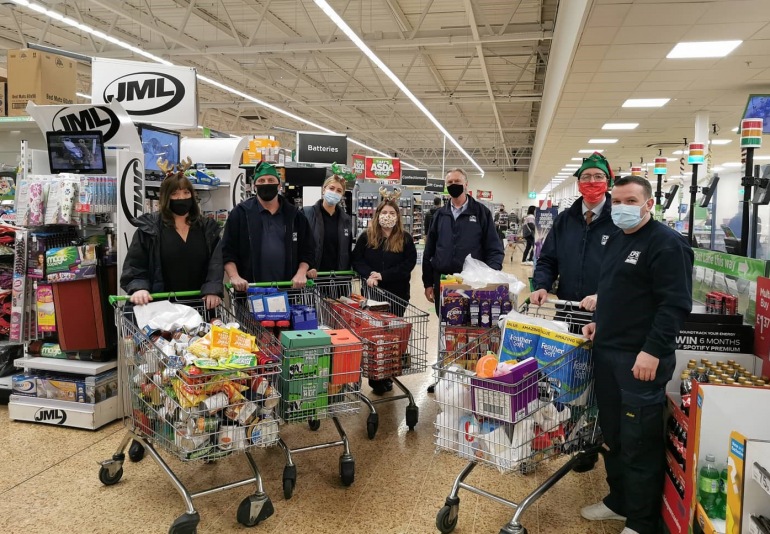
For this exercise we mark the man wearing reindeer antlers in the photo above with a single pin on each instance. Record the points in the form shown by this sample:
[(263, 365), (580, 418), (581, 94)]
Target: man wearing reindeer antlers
[(267, 238), (460, 228)]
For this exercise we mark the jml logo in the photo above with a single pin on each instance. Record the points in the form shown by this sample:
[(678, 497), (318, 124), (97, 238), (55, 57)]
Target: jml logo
[(145, 93), (53, 416), (131, 198), (100, 118)]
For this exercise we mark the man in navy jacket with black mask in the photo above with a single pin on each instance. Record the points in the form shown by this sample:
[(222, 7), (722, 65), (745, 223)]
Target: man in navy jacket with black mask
[(573, 249)]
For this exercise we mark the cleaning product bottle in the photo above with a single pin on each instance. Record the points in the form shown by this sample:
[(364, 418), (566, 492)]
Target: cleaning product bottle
[(708, 485)]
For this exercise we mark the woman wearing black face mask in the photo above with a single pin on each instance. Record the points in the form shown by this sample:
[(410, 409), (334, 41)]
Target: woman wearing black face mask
[(176, 249)]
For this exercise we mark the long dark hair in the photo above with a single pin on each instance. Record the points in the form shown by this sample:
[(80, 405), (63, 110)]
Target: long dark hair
[(531, 210), (170, 185), (375, 235)]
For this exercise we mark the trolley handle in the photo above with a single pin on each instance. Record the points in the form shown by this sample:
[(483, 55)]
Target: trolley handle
[(310, 283), (558, 302), (332, 274), (114, 299)]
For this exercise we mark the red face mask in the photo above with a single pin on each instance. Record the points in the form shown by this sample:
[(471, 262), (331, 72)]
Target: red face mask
[(592, 192)]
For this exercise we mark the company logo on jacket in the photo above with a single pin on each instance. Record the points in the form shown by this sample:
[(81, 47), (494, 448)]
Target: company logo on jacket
[(605, 238), (472, 218), (294, 236), (633, 257)]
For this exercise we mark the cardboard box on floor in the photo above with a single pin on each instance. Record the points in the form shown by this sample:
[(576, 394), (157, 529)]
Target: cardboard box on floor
[(41, 77), (3, 111)]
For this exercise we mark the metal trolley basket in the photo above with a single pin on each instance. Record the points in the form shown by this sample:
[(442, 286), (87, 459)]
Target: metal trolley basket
[(202, 416), (318, 380), (395, 345), (541, 410)]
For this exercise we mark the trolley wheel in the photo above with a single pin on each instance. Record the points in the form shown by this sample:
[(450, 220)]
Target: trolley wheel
[(107, 479), (289, 480), (522, 530), (372, 423), (446, 518), (314, 424), (254, 509), (585, 463), (412, 415), (185, 524), (347, 470), (136, 451)]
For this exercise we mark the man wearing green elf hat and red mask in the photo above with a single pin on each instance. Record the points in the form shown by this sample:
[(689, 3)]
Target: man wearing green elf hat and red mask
[(267, 238), (573, 249)]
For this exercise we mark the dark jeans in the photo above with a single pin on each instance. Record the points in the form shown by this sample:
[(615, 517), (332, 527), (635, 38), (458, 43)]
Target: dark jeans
[(529, 249), (631, 420)]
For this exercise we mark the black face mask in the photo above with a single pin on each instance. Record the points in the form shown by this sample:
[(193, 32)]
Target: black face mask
[(267, 192), (455, 190), (181, 206)]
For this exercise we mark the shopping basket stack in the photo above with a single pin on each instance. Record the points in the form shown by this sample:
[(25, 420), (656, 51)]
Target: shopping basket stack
[(539, 407), (393, 332), (183, 397), (320, 374)]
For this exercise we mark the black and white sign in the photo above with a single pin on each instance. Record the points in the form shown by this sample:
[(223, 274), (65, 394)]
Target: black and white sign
[(436, 185), (87, 118), (152, 93), (322, 148), (414, 177)]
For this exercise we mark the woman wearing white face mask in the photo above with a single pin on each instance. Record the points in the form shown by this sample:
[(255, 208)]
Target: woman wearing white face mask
[(385, 256), (331, 228)]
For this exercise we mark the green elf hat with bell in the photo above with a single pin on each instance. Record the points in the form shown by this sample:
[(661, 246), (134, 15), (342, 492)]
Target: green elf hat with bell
[(596, 161), (265, 169)]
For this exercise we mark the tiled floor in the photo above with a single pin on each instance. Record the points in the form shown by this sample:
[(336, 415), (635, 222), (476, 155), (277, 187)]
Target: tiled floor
[(49, 482)]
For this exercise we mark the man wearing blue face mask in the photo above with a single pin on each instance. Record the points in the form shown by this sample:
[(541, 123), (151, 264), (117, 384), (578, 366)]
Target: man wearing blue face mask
[(331, 228), (644, 296)]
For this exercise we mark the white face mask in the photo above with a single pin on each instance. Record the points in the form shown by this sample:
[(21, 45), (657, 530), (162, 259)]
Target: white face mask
[(388, 220), (626, 216), (332, 197)]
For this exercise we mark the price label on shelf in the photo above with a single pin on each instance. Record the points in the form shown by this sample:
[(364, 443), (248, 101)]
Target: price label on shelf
[(762, 477)]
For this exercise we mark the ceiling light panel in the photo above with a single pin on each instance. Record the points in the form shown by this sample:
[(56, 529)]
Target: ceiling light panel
[(602, 141), (620, 126), (703, 49), (645, 102), (590, 150)]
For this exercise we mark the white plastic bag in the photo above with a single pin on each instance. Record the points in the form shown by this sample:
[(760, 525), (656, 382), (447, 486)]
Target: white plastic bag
[(478, 274), (165, 315)]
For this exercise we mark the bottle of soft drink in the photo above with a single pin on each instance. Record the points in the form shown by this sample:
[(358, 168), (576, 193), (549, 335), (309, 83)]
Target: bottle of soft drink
[(721, 507), (685, 389), (702, 376), (708, 485)]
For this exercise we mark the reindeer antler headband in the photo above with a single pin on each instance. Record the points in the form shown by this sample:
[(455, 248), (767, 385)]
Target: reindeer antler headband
[(393, 197), (169, 169)]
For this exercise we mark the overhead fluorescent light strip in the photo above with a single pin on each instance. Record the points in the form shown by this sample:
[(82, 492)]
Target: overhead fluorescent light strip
[(122, 44), (620, 126), (703, 49), (645, 102), (347, 30)]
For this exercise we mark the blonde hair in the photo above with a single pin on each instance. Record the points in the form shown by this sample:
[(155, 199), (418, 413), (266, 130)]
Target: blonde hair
[(335, 179), (375, 235)]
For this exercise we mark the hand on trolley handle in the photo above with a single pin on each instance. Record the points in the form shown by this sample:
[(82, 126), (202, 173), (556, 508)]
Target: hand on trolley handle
[(589, 303), (589, 331), (539, 297), (240, 284)]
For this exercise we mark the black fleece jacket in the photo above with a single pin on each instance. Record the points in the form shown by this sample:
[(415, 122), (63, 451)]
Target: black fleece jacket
[(142, 267), (395, 268), (573, 252), (344, 230), (645, 291), (242, 240)]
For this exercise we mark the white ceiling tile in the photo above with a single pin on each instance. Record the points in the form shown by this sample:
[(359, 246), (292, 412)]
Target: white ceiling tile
[(591, 52), (628, 65), (663, 14), (608, 15), (638, 51), (732, 11), (722, 32), (650, 35), (585, 66)]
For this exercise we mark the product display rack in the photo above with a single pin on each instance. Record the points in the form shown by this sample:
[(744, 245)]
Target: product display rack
[(417, 216)]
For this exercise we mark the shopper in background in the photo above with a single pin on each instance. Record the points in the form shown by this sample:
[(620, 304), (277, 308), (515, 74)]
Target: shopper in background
[(385, 256), (528, 233), (460, 228), (644, 295), (431, 214), (501, 223), (175, 249), (267, 238), (573, 249), (331, 228)]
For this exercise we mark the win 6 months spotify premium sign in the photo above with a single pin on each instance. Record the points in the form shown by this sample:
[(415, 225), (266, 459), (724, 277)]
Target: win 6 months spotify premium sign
[(322, 148)]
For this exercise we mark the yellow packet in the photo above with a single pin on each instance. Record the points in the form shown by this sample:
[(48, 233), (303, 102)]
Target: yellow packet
[(240, 342), (220, 341)]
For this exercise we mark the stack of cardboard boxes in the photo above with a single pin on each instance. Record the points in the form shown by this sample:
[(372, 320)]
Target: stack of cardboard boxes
[(41, 77)]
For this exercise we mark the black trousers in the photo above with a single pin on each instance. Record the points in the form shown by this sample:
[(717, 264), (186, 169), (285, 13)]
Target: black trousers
[(631, 419), (529, 249)]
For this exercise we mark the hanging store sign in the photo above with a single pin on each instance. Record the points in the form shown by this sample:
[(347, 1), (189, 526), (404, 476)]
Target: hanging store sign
[(152, 93), (414, 177), (86, 118), (322, 148), (435, 185), (388, 169), (483, 195), (359, 164)]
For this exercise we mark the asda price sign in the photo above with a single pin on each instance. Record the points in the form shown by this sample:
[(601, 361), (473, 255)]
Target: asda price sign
[(383, 169)]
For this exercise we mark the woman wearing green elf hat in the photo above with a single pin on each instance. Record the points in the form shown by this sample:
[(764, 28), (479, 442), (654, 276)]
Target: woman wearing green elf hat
[(267, 238)]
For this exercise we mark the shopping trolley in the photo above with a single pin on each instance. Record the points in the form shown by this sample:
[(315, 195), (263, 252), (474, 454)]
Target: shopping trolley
[(192, 413), (395, 338), (544, 408), (319, 379)]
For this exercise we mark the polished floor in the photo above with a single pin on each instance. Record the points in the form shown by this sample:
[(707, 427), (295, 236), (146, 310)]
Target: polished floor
[(49, 480)]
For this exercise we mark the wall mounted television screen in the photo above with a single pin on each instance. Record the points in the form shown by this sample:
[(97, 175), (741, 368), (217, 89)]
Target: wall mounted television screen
[(76, 152), (158, 143), (758, 107)]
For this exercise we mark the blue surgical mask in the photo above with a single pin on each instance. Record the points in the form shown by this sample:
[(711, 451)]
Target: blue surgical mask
[(626, 216), (332, 197)]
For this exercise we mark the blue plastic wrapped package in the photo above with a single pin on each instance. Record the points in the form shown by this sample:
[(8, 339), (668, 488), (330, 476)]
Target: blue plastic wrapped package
[(566, 362)]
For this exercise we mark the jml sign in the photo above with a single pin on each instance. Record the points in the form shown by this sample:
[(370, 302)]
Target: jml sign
[(157, 94)]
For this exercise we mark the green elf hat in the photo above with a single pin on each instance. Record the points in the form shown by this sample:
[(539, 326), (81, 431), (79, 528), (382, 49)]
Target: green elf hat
[(596, 161), (265, 169)]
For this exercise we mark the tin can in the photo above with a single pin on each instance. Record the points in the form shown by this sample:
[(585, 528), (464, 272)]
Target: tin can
[(215, 403), (216, 321), (203, 425), (247, 413)]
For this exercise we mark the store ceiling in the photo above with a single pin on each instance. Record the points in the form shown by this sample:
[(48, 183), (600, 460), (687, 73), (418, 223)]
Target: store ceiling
[(484, 84), (622, 54)]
